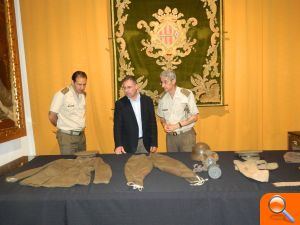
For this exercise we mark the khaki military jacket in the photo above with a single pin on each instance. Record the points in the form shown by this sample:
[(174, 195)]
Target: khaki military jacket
[(70, 108), (178, 108), (65, 173)]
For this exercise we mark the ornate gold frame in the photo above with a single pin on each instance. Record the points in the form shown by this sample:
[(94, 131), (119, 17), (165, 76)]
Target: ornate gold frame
[(14, 126)]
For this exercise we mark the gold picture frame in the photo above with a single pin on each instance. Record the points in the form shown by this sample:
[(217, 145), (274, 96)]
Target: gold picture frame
[(12, 119)]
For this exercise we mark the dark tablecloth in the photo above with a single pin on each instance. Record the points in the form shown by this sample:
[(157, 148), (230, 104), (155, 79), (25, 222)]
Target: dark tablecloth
[(166, 200)]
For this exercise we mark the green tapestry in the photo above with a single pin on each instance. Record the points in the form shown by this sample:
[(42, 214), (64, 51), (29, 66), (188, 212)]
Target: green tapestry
[(185, 36)]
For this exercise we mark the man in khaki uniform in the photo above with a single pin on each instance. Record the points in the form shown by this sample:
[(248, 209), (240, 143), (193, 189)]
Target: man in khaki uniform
[(67, 113), (178, 113)]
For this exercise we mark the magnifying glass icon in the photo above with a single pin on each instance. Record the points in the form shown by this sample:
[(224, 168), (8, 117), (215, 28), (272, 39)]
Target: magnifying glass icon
[(277, 205)]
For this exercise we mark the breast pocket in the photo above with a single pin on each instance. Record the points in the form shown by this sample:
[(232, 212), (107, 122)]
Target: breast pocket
[(166, 113), (69, 106), (181, 109)]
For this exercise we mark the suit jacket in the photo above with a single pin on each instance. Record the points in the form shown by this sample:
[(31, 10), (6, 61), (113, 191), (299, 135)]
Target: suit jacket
[(126, 129)]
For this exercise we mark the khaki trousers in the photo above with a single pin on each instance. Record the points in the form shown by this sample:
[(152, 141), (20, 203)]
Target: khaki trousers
[(69, 144), (182, 142), (139, 166)]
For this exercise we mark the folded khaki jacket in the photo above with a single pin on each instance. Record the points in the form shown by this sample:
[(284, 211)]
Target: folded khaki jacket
[(139, 166), (65, 173)]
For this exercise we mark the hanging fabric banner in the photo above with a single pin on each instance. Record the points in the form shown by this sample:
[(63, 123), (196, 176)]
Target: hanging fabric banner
[(180, 35)]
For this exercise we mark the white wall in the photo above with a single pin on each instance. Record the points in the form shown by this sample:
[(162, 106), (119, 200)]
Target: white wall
[(24, 146)]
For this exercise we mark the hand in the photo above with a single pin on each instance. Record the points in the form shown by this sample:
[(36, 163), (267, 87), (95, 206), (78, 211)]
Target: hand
[(171, 127), (166, 127), (153, 149), (120, 150)]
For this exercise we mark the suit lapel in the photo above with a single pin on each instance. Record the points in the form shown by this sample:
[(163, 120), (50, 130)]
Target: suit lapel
[(142, 108), (130, 110)]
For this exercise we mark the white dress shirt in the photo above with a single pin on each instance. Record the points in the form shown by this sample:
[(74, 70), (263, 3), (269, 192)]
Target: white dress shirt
[(136, 105)]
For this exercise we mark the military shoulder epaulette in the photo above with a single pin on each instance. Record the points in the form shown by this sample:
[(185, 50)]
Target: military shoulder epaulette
[(65, 90), (162, 95), (186, 92)]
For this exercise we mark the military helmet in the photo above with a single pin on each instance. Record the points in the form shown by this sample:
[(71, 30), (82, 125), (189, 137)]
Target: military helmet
[(199, 151)]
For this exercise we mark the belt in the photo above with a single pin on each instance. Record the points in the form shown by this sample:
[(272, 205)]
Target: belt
[(71, 132), (179, 132)]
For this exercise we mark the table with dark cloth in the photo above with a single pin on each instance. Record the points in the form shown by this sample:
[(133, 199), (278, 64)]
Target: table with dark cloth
[(166, 199)]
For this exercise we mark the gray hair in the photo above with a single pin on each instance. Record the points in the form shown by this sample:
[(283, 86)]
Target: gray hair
[(169, 74)]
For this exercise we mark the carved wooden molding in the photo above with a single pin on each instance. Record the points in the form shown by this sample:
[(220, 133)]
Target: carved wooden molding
[(12, 119)]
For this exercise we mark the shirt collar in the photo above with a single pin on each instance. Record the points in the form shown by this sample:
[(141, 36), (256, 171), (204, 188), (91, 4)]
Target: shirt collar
[(177, 90), (73, 90), (138, 97)]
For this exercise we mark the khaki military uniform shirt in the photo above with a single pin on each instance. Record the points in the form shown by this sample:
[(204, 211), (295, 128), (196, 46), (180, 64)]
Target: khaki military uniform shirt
[(178, 108), (66, 173), (70, 109)]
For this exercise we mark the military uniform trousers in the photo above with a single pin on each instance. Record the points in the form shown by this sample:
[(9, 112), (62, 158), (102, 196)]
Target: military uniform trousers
[(181, 142), (69, 143), (139, 166)]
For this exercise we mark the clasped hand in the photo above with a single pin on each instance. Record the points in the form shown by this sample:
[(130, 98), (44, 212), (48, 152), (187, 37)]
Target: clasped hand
[(170, 127)]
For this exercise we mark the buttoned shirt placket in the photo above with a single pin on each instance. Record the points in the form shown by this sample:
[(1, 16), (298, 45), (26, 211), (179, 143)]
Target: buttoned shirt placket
[(136, 105)]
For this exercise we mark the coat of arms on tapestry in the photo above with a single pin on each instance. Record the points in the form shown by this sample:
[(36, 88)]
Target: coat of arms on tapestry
[(185, 36)]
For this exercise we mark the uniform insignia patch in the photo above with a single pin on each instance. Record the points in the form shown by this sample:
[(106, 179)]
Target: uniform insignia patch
[(65, 90), (186, 92)]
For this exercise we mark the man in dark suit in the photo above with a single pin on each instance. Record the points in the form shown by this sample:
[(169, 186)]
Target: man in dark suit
[(135, 129)]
